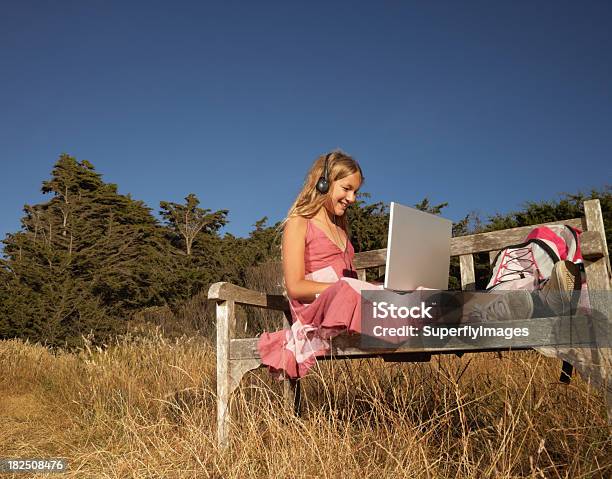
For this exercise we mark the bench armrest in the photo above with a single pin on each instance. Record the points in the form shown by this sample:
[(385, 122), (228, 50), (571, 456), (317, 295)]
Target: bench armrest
[(592, 245), (230, 292)]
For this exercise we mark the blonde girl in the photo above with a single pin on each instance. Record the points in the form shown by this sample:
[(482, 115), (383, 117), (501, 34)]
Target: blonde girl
[(319, 277)]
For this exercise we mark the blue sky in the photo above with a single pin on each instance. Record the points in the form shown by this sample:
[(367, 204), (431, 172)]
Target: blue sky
[(484, 105)]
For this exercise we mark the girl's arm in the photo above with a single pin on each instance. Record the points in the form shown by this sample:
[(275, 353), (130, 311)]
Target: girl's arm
[(294, 237)]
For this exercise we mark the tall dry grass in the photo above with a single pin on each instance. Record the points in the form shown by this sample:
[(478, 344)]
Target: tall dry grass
[(145, 407)]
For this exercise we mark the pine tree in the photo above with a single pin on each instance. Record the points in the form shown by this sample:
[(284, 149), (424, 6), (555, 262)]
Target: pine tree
[(85, 259), (189, 220)]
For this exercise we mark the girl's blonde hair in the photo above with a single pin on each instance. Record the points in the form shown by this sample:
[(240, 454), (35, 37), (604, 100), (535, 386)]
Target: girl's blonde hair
[(309, 200)]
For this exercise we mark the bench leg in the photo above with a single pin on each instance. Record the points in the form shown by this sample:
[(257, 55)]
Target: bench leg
[(291, 387), (292, 395), (599, 279), (225, 322), (566, 372)]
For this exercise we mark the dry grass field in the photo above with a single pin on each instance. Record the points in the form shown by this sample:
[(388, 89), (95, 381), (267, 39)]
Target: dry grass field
[(145, 407)]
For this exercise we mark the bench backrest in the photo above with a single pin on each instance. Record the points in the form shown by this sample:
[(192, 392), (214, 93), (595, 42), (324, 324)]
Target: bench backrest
[(592, 243)]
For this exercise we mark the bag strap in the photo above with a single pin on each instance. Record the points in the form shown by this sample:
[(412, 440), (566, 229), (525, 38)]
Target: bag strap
[(546, 234), (576, 234)]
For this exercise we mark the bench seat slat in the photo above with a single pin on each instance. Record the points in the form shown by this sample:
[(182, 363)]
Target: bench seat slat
[(351, 345)]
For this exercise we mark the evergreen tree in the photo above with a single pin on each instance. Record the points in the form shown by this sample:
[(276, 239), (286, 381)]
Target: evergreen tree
[(368, 224), (188, 220), (569, 206), (84, 259)]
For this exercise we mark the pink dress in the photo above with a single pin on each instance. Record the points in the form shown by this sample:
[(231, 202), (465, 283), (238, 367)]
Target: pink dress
[(290, 353)]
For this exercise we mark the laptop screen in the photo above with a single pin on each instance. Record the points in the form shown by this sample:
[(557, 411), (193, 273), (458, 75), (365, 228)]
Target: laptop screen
[(418, 250)]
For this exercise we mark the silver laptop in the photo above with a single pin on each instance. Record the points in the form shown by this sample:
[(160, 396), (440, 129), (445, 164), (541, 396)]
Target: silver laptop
[(418, 250)]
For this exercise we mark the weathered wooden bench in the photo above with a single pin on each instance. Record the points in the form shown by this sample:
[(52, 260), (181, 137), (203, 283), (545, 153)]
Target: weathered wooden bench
[(235, 357)]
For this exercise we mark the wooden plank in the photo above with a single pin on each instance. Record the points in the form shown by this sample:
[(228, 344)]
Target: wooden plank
[(598, 280), (370, 259), (463, 245), (246, 348), (238, 368), (346, 346), (361, 274), (225, 324), (496, 240), (597, 269), (291, 387), (599, 297), (594, 222), (593, 245), (292, 395), (229, 291), (466, 267)]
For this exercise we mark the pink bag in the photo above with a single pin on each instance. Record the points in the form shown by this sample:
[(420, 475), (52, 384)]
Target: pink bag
[(527, 265)]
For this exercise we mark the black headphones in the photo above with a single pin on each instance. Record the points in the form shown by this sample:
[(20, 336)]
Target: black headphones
[(323, 183), (323, 188)]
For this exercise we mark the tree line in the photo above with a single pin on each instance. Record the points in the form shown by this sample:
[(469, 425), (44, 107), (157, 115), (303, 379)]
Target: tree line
[(89, 258)]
